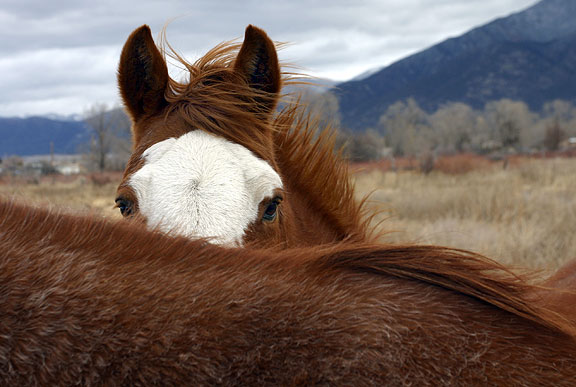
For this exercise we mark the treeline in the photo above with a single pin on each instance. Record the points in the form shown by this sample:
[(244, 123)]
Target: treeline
[(502, 128), (108, 149)]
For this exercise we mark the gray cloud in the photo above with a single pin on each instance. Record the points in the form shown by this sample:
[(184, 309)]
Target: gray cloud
[(60, 56)]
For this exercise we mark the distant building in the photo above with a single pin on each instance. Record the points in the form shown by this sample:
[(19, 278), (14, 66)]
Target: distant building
[(569, 143), (68, 169)]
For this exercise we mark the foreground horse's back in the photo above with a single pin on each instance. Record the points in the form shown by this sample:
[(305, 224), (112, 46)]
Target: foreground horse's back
[(559, 291), (84, 301)]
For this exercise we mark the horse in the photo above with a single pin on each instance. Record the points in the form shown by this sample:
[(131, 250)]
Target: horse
[(212, 158), (86, 301), (92, 302)]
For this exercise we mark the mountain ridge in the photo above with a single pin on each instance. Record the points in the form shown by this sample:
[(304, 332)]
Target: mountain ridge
[(33, 136), (529, 55)]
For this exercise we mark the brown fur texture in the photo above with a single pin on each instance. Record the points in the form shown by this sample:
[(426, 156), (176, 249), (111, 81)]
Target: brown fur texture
[(88, 302), (232, 92), (559, 291)]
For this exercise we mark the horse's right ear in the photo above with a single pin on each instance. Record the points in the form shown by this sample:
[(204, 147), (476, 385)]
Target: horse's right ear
[(257, 62), (142, 75)]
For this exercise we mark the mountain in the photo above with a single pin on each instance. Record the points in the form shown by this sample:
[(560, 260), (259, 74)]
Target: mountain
[(309, 85), (528, 56), (33, 135), (366, 74)]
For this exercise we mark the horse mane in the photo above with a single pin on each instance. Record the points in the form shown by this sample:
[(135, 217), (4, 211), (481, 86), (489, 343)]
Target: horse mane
[(215, 100), (307, 153), (455, 270)]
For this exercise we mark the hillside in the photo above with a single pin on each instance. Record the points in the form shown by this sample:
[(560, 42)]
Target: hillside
[(33, 135), (528, 56)]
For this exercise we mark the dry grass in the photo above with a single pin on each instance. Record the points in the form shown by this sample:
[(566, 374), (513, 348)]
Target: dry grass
[(524, 216), (93, 194)]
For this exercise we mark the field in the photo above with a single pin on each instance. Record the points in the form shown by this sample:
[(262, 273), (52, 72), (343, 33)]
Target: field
[(90, 194), (524, 215)]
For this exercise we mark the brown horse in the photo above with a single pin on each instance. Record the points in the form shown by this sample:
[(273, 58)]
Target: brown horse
[(213, 159), (83, 301)]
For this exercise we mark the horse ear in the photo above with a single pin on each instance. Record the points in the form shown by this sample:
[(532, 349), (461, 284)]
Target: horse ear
[(257, 62), (142, 74)]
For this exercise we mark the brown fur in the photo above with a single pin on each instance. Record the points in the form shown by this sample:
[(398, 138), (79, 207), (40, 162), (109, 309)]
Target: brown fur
[(559, 291), (87, 302)]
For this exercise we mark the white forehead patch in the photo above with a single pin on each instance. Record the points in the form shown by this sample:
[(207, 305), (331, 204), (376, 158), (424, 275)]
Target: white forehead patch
[(202, 186)]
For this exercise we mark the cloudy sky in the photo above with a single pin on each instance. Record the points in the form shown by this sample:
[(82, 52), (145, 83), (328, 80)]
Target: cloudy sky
[(60, 56)]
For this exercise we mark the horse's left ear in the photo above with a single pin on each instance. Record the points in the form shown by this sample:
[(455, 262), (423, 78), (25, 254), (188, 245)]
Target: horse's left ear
[(142, 75), (257, 62)]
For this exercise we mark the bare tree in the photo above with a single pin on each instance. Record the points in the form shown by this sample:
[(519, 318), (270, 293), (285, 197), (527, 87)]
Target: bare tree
[(562, 113), (407, 130), (453, 126), (554, 136), (365, 146), (110, 142), (324, 106), (509, 123)]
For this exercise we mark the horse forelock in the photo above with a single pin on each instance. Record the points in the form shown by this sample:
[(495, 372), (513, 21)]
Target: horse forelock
[(215, 98)]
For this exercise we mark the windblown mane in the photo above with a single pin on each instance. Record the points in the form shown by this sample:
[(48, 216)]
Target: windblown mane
[(308, 155), (214, 100), (457, 270)]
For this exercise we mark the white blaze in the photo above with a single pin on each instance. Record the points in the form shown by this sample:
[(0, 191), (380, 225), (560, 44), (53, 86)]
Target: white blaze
[(201, 185)]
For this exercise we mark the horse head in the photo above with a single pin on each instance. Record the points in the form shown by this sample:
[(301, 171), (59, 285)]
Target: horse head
[(213, 158)]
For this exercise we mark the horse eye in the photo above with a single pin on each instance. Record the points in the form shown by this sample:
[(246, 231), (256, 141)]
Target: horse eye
[(125, 206), (272, 210)]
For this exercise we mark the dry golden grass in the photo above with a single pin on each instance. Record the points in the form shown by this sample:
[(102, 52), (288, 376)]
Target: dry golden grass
[(84, 194), (523, 216)]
